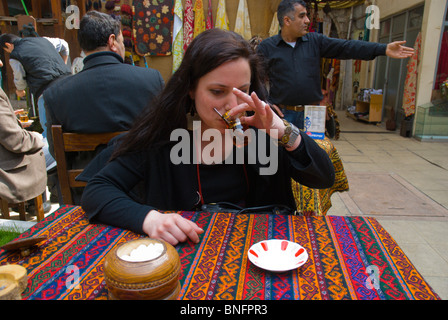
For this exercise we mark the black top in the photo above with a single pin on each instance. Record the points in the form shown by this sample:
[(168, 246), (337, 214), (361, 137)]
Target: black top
[(223, 183), (294, 73), (126, 189)]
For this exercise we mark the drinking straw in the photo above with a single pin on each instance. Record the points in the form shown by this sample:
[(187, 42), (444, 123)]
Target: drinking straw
[(24, 7)]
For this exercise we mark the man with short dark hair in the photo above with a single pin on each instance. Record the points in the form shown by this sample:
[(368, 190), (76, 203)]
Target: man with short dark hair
[(293, 59), (107, 95)]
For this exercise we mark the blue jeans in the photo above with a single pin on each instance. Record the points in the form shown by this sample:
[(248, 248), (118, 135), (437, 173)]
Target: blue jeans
[(43, 122), (294, 117), (42, 115), (49, 160)]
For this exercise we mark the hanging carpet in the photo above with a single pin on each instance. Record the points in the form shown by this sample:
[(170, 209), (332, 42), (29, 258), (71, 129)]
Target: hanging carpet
[(152, 27)]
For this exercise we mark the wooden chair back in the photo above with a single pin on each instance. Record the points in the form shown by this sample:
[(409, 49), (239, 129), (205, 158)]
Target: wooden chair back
[(64, 142), (24, 20)]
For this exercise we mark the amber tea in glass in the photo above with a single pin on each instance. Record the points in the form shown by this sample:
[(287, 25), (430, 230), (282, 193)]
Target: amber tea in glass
[(23, 116)]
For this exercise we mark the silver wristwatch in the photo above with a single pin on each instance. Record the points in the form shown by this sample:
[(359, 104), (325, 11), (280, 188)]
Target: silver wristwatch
[(290, 136)]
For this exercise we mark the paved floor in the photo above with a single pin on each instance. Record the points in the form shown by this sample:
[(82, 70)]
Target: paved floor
[(412, 202), (404, 184)]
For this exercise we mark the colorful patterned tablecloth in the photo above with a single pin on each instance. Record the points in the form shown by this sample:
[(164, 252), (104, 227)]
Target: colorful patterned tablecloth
[(316, 202), (349, 258)]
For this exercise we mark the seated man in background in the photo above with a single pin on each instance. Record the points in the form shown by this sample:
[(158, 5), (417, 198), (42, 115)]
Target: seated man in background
[(23, 174), (36, 62), (107, 95)]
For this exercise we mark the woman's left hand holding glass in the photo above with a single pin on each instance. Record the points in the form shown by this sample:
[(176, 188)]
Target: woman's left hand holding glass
[(264, 118)]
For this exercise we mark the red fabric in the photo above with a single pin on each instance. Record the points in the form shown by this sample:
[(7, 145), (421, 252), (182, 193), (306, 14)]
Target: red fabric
[(410, 85), (188, 24), (442, 70), (209, 24)]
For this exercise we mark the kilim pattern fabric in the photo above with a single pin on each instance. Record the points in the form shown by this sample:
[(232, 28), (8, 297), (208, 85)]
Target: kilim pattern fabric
[(342, 252)]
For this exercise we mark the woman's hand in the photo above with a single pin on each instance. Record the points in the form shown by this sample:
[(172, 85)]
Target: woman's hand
[(171, 227), (264, 118)]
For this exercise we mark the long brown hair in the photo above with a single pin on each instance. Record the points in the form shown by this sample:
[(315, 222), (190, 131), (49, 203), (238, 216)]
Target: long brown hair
[(207, 51)]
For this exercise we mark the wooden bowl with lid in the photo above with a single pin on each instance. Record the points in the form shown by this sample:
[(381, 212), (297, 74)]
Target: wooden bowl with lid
[(151, 277), (13, 281)]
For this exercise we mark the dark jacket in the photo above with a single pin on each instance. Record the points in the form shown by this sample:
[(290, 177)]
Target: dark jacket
[(42, 63), (294, 73), (126, 189), (106, 96)]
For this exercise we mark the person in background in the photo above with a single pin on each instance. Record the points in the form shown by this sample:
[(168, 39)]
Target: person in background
[(36, 62), (59, 44), (23, 174), (63, 49), (293, 59), (107, 95), (37, 74), (219, 73)]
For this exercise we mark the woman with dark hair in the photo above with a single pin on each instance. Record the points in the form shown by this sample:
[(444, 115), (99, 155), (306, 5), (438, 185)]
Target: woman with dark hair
[(219, 73)]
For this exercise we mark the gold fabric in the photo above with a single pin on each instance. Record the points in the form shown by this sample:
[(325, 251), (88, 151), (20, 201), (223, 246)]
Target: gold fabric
[(316, 202)]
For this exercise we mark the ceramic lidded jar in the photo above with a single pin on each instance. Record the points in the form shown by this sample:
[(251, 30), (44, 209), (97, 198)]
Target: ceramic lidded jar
[(156, 278)]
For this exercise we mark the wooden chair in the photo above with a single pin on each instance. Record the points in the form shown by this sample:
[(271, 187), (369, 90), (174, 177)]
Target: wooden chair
[(38, 203), (64, 142)]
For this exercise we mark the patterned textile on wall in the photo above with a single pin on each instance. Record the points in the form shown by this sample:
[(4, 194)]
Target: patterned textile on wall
[(330, 73), (221, 20), (188, 24), (178, 35), (442, 69), (242, 22), (152, 26), (410, 85), (275, 26), (209, 23), (199, 18), (126, 25)]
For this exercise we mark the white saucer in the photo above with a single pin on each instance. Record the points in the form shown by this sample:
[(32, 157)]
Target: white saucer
[(277, 255)]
